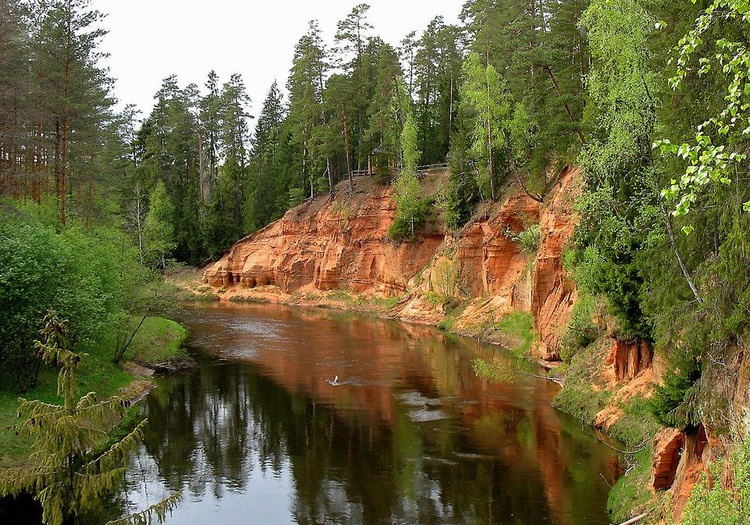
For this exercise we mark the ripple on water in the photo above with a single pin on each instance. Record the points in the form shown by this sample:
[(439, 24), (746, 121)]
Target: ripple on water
[(417, 399)]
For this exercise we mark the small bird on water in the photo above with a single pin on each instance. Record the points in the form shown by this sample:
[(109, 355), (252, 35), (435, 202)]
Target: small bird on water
[(334, 381)]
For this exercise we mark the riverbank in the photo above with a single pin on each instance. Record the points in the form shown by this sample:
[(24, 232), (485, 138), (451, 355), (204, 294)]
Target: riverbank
[(157, 341), (500, 279)]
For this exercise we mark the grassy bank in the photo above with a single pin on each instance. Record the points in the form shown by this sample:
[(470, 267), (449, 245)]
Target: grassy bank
[(584, 395), (157, 340)]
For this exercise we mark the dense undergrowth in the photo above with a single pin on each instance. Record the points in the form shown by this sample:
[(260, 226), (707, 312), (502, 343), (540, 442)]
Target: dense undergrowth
[(92, 278)]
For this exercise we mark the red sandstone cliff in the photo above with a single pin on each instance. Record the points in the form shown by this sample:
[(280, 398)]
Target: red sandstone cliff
[(328, 244), (341, 243), (553, 293)]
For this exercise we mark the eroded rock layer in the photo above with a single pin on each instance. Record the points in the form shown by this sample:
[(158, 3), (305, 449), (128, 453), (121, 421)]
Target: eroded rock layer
[(328, 244), (341, 243)]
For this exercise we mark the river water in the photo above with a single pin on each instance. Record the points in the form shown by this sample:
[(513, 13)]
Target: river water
[(314, 417)]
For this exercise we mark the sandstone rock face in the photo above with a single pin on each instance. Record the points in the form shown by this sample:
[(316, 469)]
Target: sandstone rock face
[(341, 243), (670, 444), (328, 244), (488, 264), (554, 293), (630, 359), (680, 459), (490, 261)]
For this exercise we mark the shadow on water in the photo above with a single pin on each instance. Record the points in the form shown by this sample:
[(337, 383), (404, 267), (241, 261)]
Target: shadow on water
[(312, 417)]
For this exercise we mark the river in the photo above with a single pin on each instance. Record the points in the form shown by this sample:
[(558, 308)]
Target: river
[(317, 417)]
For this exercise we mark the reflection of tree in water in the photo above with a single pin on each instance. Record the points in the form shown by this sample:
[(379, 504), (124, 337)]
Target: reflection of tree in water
[(224, 419), (371, 451)]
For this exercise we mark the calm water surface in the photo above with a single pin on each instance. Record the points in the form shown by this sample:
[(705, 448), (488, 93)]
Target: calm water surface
[(263, 433)]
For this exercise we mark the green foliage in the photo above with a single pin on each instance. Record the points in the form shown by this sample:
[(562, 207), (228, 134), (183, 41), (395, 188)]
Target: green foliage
[(630, 495), (415, 212), (70, 472), (409, 147), (89, 274), (618, 209), (581, 330), (412, 208), (581, 396), (715, 154), (462, 193), (296, 197), (713, 503), (674, 402), (444, 279), (434, 81), (158, 232), (518, 330), (528, 239), (485, 97)]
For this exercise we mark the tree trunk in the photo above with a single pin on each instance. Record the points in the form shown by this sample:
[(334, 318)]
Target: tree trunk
[(348, 157), (569, 111), (680, 261)]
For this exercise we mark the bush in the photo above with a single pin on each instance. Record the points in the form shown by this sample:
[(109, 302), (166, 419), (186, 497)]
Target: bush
[(713, 504), (673, 404), (82, 274), (528, 239), (296, 197), (406, 224), (581, 330)]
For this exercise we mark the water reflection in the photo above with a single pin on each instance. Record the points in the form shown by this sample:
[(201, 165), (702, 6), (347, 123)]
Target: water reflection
[(407, 434)]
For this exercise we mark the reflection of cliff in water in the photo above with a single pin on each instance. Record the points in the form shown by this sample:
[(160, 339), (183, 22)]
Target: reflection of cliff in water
[(407, 435)]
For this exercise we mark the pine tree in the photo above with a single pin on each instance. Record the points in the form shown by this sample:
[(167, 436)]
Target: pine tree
[(75, 90), (437, 69), (14, 74), (266, 178), (171, 154), (71, 471), (208, 139), (305, 85), (385, 113), (355, 50)]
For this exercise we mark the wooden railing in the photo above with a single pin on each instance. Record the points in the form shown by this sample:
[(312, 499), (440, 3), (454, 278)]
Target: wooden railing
[(421, 170)]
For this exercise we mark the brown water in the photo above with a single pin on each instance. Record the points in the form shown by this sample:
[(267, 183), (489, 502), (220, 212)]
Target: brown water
[(263, 433)]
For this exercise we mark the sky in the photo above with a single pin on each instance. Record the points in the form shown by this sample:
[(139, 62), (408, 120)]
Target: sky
[(149, 40)]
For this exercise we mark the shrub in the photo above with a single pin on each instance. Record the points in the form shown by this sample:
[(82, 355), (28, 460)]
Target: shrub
[(711, 503), (296, 197), (80, 272), (406, 224), (581, 330), (673, 404), (529, 239)]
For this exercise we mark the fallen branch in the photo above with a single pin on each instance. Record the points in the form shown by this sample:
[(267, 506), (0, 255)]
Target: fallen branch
[(635, 520), (624, 452)]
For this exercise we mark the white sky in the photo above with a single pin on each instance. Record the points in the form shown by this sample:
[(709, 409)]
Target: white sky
[(149, 40)]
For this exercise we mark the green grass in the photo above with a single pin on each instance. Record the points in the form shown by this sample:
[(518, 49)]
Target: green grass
[(631, 494), (584, 396), (157, 340), (447, 323), (96, 374), (578, 397), (518, 329)]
